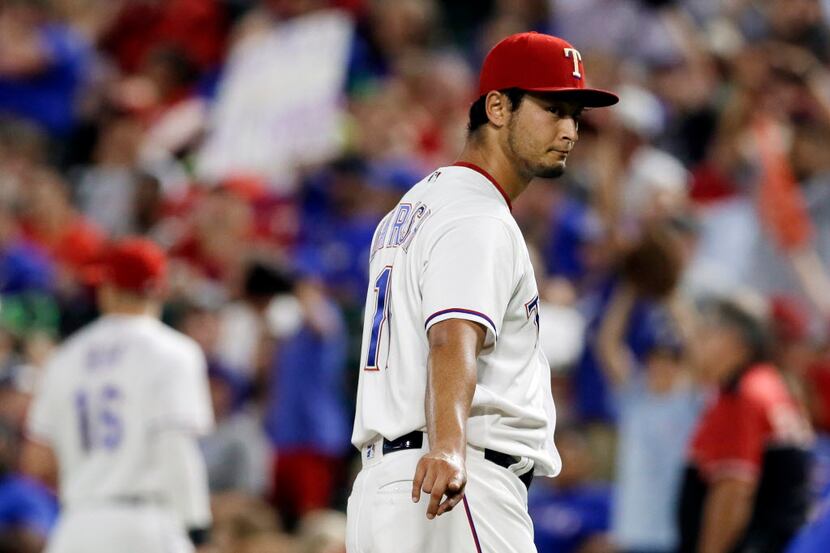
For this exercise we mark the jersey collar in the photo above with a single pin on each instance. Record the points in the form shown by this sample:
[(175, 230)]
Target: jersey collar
[(489, 177)]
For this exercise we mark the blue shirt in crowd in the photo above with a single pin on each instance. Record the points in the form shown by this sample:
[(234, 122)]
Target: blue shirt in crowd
[(574, 226), (820, 473), (654, 431), (306, 405), (339, 255), (593, 399), (335, 242), (49, 97), (26, 504), (24, 268), (564, 519), (815, 537)]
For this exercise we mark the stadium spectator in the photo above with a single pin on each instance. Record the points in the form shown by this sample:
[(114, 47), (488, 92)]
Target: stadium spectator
[(51, 221), (23, 150), (43, 67), (572, 512), (746, 485), (215, 246), (243, 523), (657, 407), (306, 417), (817, 388), (814, 537), (323, 532), (247, 325), (196, 26), (23, 266), (236, 452), (105, 189), (27, 509)]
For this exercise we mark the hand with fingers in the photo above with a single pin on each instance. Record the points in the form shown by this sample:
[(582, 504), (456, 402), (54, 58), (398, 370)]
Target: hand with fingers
[(440, 474)]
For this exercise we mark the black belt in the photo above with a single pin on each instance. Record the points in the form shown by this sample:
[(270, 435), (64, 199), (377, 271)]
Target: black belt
[(415, 440)]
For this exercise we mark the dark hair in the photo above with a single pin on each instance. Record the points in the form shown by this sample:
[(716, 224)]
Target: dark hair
[(478, 111), (264, 280), (182, 68), (653, 265), (753, 330)]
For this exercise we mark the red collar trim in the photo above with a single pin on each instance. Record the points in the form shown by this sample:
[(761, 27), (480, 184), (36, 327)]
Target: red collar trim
[(489, 177)]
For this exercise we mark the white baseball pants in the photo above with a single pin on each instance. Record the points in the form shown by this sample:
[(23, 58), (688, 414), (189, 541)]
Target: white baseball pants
[(118, 528), (382, 518)]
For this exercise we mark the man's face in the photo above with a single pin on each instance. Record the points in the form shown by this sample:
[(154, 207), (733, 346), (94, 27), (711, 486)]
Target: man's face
[(541, 133), (721, 351)]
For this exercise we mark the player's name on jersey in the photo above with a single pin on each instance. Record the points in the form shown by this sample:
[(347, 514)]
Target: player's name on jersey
[(400, 226)]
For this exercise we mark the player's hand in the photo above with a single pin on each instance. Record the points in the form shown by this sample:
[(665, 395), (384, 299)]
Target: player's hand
[(440, 474)]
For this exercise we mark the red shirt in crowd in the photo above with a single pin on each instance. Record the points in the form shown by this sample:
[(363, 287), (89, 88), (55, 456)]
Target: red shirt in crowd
[(196, 26), (818, 389), (735, 431), (753, 431), (78, 245)]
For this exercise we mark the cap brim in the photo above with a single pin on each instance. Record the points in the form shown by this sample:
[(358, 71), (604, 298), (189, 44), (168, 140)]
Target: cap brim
[(588, 97)]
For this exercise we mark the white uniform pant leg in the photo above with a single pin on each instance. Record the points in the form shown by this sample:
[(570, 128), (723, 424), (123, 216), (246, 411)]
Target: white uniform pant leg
[(118, 528), (383, 519), (497, 502)]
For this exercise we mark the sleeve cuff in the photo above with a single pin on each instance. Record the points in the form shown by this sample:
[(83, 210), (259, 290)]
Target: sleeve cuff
[(466, 314), (736, 469)]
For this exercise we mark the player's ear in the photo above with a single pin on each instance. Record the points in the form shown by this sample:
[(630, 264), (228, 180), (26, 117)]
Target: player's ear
[(497, 106)]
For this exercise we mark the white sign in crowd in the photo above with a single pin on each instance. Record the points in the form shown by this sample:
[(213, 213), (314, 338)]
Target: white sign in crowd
[(280, 101)]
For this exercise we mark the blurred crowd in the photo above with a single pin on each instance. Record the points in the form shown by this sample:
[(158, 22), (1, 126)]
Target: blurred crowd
[(709, 182)]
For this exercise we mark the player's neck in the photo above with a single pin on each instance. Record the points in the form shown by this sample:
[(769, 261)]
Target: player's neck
[(495, 162), (114, 302), (132, 311)]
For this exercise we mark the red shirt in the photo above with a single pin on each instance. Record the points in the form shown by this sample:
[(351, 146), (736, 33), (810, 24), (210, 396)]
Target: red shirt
[(78, 245), (196, 26), (741, 424), (818, 384)]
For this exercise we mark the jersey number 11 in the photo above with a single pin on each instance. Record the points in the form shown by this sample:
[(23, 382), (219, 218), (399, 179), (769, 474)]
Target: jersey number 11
[(380, 317)]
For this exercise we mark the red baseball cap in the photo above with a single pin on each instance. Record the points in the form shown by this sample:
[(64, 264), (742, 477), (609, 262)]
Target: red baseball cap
[(134, 264), (540, 63)]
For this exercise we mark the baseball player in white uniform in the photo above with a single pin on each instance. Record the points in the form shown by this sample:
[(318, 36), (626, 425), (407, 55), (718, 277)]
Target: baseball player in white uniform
[(454, 397), (119, 410)]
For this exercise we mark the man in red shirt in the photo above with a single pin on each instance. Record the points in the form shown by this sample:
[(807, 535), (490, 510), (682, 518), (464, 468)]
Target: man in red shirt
[(746, 484)]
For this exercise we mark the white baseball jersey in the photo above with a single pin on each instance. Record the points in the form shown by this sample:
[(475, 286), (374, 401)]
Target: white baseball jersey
[(451, 249), (105, 393)]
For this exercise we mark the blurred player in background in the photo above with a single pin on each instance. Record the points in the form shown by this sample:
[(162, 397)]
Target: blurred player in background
[(454, 397), (117, 417)]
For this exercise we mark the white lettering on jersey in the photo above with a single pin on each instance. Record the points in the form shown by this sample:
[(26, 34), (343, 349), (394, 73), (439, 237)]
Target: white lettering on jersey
[(399, 227)]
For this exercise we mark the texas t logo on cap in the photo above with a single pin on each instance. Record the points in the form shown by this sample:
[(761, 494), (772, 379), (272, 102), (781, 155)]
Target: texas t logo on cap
[(574, 54), (538, 62)]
